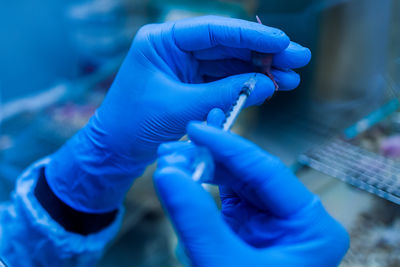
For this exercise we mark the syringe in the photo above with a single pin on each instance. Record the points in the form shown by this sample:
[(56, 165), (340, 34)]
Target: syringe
[(204, 160), (262, 63), (239, 104)]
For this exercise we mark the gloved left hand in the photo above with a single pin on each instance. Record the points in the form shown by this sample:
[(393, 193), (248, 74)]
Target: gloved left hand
[(164, 83), (269, 218)]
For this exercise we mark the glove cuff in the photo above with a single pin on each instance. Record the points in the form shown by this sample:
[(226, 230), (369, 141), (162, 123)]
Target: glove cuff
[(71, 220), (88, 177)]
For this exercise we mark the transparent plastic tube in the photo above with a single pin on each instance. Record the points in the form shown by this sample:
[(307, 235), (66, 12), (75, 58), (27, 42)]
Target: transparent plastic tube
[(203, 166)]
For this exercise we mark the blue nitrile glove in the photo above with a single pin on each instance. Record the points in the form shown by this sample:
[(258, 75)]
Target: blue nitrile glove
[(268, 217), (161, 86)]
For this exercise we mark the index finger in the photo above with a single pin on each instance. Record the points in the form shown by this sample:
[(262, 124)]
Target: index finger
[(209, 31), (257, 176)]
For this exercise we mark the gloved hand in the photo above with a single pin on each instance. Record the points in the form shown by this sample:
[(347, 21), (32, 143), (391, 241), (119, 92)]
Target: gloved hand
[(268, 217), (162, 85)]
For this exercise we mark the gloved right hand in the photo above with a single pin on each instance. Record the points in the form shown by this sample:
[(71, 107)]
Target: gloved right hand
[(163, 84), (268, 217)]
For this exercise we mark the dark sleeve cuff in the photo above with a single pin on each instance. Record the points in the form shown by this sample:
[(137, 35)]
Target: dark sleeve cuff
[(70, 219)]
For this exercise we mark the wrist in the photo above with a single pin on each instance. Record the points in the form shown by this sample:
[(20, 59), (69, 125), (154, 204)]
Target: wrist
[(70, 219), (85, 175)]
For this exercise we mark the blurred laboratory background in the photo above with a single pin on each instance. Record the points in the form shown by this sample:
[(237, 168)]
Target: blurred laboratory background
[(339, 131)]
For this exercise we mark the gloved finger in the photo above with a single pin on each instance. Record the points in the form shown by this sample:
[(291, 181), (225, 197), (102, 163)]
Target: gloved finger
[(226, 193), (222, 93), (256, 176), (286, 79), (211, 31), (193, 213), (216, 117), (224, 68), (223, 52), (294, 56)]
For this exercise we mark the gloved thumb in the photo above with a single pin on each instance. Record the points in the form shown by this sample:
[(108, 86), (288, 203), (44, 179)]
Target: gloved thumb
[(223, 93), (196, 219), (216, 118)]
